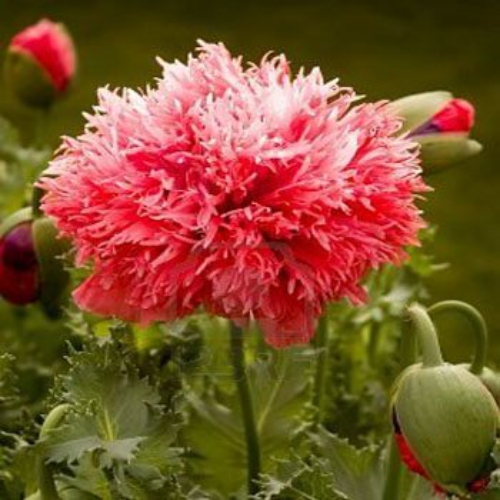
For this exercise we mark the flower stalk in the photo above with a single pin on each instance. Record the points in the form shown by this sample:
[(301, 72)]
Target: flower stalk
[(394, 464), (427, 336), (321, 343), (45, 478), (237, 353), (479, 327), (393, 475)]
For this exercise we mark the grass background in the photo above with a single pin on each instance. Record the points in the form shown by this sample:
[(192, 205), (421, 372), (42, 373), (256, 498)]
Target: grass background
[(382, 48)]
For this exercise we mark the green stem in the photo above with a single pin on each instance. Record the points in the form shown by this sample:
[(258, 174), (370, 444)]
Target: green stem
[(427, 336), (477, 322), (45, 478), (408, 346), (394, 466), (247, 410), (321, 343), (393, 475), (40, 135)]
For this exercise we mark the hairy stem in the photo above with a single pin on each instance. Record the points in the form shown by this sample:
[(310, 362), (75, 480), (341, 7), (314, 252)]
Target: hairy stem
[(45, 478), (427, 336), (394, 465), (478, 324), (393, 474), (321, 343), (237, 353)]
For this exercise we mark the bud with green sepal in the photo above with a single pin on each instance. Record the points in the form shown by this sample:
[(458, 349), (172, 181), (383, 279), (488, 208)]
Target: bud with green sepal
[(31, 262), (489, 377), (40, 63), (441, 125), (444, 418)]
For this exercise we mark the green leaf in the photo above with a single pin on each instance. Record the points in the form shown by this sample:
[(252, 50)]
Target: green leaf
[(337, 470), (89, 479), (116, 424), (358, 474), (84, 434), (215, 433)]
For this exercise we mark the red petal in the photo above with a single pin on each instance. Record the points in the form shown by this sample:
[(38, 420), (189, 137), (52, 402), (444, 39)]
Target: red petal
[(456, 116)]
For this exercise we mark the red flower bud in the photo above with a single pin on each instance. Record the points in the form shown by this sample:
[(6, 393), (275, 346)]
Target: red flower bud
[(41, 63), (19, 277), (456, 116)]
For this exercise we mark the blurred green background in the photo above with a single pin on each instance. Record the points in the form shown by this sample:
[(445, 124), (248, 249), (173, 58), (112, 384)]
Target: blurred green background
[(382, 48)]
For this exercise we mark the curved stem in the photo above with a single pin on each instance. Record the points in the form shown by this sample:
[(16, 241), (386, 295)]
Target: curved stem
[(408, 346), (427, 336), (321, 344), (477, 322), (237, 353), (45, 478)]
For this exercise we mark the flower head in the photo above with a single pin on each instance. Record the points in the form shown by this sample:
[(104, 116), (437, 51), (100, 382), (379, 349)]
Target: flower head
[(41, 62), (244, 190)]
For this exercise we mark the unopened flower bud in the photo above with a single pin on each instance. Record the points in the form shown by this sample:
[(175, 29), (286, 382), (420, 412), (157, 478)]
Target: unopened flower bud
[(488, 377), (31, 268), (40, 63), (445, 419), (441, 125), (19, 282)]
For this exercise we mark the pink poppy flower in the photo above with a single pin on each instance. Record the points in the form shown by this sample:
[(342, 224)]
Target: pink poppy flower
[(246, 190)]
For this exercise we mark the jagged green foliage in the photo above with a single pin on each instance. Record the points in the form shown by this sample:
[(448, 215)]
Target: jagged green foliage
[(339, 471), (215, 437), (152, 411), (117, 436)]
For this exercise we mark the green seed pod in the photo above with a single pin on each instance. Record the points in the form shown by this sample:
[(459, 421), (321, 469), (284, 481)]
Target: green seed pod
[(444, 416)]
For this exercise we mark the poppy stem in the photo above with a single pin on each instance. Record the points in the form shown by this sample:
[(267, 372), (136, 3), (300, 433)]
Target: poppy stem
[(427, 336), (393, 475), (40, 132), (478, 324), (45, 478), (321, 344), (237, 353), (394, 464)]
